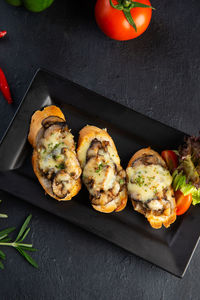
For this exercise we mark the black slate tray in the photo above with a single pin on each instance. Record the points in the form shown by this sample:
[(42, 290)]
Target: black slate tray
[(170, 249)]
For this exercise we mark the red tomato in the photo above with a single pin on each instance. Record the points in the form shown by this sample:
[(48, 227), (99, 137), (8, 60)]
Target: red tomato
[(114, 23), (171, 159), (182, 202)]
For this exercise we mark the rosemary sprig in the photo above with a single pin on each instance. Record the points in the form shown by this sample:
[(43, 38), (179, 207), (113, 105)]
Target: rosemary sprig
[(17, 243), (3, 215)]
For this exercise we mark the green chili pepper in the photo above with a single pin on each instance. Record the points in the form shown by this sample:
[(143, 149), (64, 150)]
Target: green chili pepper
[(32, 5)]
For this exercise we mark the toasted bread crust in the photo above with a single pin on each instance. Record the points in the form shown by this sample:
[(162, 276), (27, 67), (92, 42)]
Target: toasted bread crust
[(35, 126), (38, 117), (86, 135), (155, 221)]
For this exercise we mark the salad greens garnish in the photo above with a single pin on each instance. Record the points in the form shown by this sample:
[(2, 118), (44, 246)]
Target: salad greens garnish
[(187, 176)]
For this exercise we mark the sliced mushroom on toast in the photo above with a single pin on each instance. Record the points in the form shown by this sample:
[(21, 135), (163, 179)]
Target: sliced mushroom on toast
[(102, 173), (54, 158), (149, 188)]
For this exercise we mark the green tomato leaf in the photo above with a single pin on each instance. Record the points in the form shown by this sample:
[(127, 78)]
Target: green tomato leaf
[(118, 6), (138, 4), (130, 19)]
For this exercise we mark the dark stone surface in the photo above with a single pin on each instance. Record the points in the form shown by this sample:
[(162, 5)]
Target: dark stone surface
[(157, 74)]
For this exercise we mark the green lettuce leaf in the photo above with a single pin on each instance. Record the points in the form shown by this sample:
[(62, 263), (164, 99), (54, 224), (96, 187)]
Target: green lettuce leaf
[(179, 183)]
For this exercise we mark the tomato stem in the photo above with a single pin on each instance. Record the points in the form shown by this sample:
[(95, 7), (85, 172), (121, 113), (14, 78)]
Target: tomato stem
[(126, 6), (126, 3)]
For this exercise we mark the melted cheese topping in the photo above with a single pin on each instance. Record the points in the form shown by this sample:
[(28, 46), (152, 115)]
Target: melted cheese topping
[(101, 175), (147, 182), (51, 156), (82, 153), (101, 172)]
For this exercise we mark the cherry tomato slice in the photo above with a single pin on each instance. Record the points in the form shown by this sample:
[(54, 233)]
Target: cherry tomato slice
[(182, 202), (171, 159)]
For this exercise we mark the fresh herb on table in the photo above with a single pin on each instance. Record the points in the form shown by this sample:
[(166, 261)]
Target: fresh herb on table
[(5, 240), (3, 215)]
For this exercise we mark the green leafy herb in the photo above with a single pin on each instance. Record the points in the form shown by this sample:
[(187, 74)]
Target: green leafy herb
[(60, 166), (187, 176), (155, 191), (139, 180), (56, 146), (17, 243), (3, 215), (179, 183), (100, 167), (122, 181), (50, 146)]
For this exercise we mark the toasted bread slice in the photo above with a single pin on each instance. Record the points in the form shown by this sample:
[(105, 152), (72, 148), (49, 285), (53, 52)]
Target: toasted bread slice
[(149, 187), (54, 158), (102, 173)]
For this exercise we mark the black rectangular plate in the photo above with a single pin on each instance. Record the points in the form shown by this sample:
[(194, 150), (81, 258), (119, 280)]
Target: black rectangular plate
[(170, 249)]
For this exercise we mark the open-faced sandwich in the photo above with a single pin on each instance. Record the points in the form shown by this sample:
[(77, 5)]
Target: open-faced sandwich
[(54, 158), (102, 173), (149, 187)]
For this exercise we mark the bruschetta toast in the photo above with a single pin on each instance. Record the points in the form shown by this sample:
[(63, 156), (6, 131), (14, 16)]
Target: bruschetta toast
[(102, 173), (149, 188), (54, 158)]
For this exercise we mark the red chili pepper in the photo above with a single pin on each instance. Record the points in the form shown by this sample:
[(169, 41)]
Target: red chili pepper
[(2, 33), (4, 88)]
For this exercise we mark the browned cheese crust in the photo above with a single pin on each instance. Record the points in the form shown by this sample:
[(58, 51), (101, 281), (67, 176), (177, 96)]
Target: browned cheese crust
[(35, 128), (154, 220), (86, 136)]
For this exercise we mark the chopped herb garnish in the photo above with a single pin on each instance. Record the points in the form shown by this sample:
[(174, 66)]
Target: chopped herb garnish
[(122, 181), (100, 167), (56, 146), (50, 145), (139, 180), (61, 166)]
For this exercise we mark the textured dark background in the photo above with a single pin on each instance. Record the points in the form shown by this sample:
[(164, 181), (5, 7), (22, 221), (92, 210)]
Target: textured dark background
[(157, 74)]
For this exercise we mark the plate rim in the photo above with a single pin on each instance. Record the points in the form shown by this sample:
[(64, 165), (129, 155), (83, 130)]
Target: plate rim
[(60, 77)]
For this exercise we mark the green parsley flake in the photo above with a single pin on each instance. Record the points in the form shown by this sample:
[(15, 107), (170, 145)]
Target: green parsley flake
[(100, 167), (139, 180), (61, 166)]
